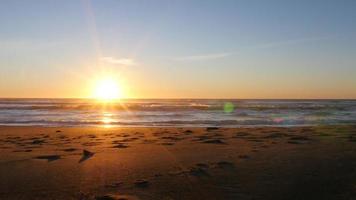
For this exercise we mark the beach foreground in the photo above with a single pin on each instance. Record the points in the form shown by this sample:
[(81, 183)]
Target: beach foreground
[(316, 162)]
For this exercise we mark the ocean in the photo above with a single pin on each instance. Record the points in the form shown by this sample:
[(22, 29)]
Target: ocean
[(176, 112)]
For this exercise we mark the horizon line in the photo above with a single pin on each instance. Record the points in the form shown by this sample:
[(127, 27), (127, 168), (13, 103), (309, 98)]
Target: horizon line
[(183, 98)]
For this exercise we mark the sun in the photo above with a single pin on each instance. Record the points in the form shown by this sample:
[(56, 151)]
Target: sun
[(107, 89)]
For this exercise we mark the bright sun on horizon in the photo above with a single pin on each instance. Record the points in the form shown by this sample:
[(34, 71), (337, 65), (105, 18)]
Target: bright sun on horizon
[(107, 89)]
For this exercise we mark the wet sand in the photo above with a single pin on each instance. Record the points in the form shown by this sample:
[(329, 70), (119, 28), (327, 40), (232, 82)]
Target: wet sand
[(178, 163)]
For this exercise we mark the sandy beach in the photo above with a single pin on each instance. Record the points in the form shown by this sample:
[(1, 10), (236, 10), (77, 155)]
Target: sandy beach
[(178, 163), (177, 100)]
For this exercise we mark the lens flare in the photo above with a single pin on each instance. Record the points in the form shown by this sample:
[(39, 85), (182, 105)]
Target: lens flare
[(229, 107)]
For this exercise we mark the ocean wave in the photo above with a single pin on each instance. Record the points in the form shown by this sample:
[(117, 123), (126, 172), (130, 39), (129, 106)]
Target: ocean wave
[(175, 112), (164, 107)]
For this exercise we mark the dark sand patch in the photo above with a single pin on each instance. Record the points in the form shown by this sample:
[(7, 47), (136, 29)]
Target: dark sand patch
[(244, 156), (149, 141), (198, 172), (300, 138), (295, 142), (202, 165), (23, 150), (225, 165), (352, 140), (115, 197), (91, 143), (38, 141), (120, 146), (70, 149), (125, 140), (214, 141), (276, 135), (92, 136), (114, 185), (167, 143), (241, 134), (212, 128), (49, 158), (141, 183), (324, 134), (172, 138)]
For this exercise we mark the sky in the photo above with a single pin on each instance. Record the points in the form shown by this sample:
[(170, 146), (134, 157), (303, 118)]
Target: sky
[(179, 49)]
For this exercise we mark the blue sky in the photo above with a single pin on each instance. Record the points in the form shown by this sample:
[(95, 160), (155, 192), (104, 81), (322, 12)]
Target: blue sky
[(172, 49)]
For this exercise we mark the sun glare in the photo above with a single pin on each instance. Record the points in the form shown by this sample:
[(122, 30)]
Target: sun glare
[(107, 90)]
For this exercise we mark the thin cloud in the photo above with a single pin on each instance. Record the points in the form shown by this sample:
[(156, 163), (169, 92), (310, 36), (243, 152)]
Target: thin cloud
[(205, 57), (118, 61), (276, 44), (28, 45), (289, 42)]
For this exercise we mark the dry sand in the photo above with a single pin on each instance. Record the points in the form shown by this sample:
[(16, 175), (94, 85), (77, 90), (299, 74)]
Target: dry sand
[(178, 163)]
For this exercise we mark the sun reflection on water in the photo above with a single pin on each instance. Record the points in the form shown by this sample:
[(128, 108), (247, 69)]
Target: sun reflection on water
[(107, 120)]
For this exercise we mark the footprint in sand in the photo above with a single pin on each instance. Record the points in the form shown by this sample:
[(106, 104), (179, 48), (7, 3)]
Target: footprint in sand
[(86, 155)]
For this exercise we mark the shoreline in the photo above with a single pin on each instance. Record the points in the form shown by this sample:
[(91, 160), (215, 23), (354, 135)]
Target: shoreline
[(178, 126)]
